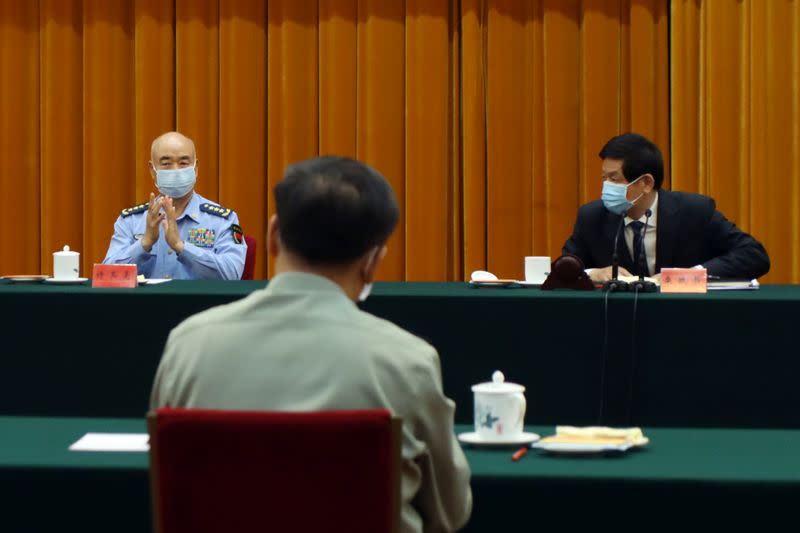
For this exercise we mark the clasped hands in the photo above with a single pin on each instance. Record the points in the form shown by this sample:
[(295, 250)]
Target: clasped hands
[(156, 219)]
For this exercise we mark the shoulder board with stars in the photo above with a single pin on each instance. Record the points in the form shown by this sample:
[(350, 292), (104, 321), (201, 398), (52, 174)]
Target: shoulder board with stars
[(217, 210), (128, 211)]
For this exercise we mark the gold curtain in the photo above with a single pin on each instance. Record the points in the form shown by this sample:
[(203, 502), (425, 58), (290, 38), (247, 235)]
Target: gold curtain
[(485, 115), (561, 78), (736, 116)]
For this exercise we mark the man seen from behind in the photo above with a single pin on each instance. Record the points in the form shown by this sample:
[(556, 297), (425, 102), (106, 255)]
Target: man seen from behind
[(302, 344)]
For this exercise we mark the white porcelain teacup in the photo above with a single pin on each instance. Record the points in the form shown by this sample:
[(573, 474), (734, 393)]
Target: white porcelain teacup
[(499, 409), (66, 264), (536, 269)]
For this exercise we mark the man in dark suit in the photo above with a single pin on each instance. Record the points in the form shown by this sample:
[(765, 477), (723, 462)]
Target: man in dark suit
[(682, 229)]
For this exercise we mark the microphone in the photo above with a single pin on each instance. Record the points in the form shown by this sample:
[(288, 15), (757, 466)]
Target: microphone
[(614, 284), (638, 286), (641, 285)]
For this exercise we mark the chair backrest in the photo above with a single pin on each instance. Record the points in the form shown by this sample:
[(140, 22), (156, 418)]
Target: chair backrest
[(247, 471), (250, 257)]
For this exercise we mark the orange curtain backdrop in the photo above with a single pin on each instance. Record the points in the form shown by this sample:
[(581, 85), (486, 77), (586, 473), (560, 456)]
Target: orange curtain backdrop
[(243, 132), (154, 86), (61, 123), (380, 109), (429, 163), (736, 117), (559, 84), (485, 115), (292, 86), (109, 159), (196, 86), (473, 134), (20, 123)]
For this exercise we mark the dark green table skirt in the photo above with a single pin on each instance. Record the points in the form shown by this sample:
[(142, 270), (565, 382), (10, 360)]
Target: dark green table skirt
[(687, 478), (723, 359)]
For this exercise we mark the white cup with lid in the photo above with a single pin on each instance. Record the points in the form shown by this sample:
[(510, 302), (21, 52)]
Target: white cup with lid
[(536, 269), (499, 409), (66, 264)]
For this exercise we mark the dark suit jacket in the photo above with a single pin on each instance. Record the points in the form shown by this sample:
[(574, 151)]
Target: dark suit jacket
[(690, 232)]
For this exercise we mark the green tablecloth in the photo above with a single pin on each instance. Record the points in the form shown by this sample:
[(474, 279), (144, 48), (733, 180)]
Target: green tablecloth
[(719, 359), (712, 476)]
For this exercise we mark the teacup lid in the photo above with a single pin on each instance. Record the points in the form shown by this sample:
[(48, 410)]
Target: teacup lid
[(66, 251), (498, 385)]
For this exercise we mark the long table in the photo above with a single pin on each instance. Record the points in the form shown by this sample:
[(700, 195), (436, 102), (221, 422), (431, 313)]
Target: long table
[(714, 478), (725, 359)]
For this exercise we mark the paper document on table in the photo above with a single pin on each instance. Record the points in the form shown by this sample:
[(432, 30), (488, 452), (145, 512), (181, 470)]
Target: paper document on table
[(733, 285), (631, 279), (112, 442), (152, 281)]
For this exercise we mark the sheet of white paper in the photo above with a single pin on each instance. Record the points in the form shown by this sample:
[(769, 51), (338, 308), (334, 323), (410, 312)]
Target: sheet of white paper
[(156, 281), (733, 285), (631, 279), (112, 442)]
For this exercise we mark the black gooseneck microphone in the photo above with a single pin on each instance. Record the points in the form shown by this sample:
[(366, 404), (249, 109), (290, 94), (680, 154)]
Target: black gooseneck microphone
[(637, 286), (614, 284), (641, 285)]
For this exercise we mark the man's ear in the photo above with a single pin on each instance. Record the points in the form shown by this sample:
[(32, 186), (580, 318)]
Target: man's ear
[(650, 182), (152, 170), (372, 260), (274, 244)]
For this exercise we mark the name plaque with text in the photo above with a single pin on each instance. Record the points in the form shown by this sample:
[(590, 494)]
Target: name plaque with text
[(114, 276)]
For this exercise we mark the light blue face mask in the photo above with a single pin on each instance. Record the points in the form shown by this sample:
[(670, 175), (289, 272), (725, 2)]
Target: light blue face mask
[(367, 289), (176, 183), (615, 197)]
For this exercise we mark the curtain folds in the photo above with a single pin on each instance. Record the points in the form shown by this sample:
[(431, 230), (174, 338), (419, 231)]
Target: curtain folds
[(736, 117), (485, 115)]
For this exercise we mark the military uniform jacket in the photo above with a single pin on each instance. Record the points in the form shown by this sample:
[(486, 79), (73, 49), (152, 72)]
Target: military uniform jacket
[(302, 345), (214, 247)]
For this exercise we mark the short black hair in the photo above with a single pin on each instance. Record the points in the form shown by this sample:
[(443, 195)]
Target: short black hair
[(332, 210), (639, 156)]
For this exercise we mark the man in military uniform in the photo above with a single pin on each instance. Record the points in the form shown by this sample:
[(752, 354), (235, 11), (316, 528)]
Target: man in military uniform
[(302, 344), (178, 234)]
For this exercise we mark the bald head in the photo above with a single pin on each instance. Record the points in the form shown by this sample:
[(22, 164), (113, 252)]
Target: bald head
[(172, 150)]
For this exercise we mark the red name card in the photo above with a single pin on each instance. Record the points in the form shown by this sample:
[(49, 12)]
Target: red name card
[(689, 280), (114, 276)]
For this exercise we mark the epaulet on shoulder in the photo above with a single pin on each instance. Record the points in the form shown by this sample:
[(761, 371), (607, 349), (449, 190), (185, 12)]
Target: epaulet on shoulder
[(128, 211), (216, 210)]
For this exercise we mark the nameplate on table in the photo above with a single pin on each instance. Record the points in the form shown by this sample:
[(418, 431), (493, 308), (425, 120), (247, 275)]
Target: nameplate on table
[(684, 280), (114, 276)]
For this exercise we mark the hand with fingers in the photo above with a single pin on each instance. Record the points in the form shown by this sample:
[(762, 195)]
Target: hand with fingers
[(171, 232), (154, 218)]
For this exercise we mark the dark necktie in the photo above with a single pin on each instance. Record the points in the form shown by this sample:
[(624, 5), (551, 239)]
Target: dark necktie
[(638, 244)]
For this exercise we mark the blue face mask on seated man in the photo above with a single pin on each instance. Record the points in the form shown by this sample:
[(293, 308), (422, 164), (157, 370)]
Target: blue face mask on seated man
[(176, 183), (615, 197)]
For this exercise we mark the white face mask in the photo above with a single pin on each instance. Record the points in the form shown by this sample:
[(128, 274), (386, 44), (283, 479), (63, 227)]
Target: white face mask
[(176, 183), (365, 292), (367, 289)]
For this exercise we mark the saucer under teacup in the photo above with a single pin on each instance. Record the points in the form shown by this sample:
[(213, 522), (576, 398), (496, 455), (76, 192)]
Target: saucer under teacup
[(476, 439), (66, 281)]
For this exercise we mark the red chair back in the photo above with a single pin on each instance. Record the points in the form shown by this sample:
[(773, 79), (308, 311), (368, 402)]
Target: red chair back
[(250, 257), (248, 471)]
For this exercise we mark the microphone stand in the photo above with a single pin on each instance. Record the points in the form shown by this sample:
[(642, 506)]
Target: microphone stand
[(614, 284), (641, 285)]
